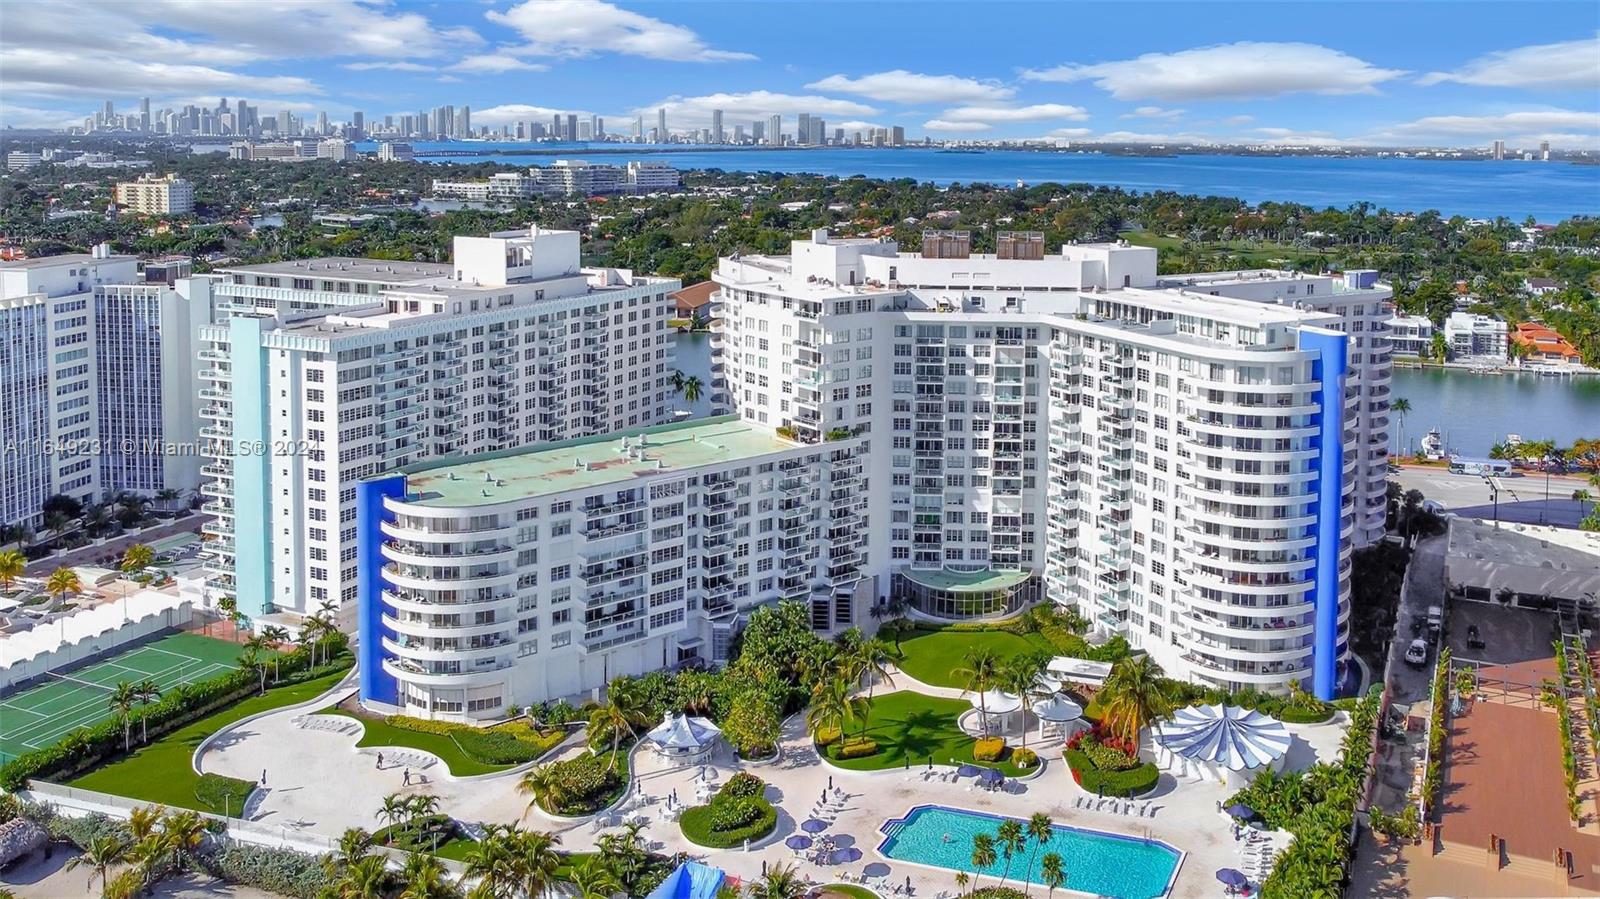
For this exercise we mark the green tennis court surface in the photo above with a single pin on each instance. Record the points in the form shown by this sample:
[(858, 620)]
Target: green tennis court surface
[(39, 716)]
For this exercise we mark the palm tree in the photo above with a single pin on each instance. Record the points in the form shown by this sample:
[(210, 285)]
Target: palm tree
[(780, 882), (979, 674), (1055, 874), (983, 854), (137, 558), (354, 844), (142, 821), (425, 878), (421, 807), (1020, 675), (122, 701), (962, 879), (184, 832), (148, 856), (1012, 840), (166, 496), (12, 565), (1402, 407), (495, 862), (365, 878), (872, 660), (693, 387), (395, 809), (1134, 695), (274, 635), (145, 692), (834, 706), (1580, 497), (98, 855), (228, 609), (1440, 348), (63, 582), (537, 860), (1040, 830), (616, 716), (548, 787), (590, 879)]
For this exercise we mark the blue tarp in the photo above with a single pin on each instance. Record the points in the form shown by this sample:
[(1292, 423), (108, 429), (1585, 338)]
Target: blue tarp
[(692, 880)]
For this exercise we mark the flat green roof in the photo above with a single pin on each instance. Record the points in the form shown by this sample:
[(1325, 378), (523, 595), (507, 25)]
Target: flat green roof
[(966, 581), (548, 468)]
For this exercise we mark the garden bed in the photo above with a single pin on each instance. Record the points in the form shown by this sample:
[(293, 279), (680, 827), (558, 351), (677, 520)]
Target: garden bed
[(426, 834), (913, 729), (464, 749), (1106, 767), (737, 814), (580, 786)]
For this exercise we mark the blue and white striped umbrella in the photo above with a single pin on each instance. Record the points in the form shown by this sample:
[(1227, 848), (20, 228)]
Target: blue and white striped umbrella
[(1234, 738)]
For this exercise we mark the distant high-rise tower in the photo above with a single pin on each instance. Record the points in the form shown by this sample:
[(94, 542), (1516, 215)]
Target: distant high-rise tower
[(358, 125), (775, 130), (819, 131), (661, 124), (464, 122), (897, 136), (802, 128), (144, 116), (322, 122), (758, 130), (1544, 150), (1499, 149), (599, 128), (716, 126), (572, 127), (638, 128)]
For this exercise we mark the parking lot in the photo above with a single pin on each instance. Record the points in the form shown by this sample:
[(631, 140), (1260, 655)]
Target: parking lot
[(1521, 496)]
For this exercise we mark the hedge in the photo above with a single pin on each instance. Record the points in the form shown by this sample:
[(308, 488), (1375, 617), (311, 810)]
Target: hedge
[(283, 872), (87, 747), (1023, 757), (223, 795), (743, 784), (1111, 783), (512, 743), (989, 749), (855, 748), (697, 825)]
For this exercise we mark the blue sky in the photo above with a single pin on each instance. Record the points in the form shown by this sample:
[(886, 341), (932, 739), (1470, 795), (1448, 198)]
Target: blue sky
[(1454, 74)]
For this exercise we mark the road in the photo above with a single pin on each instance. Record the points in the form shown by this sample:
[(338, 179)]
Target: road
[(1521, 496), (1397, 755)]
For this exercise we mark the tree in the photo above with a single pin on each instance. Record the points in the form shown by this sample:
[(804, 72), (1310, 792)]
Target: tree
[(354, 844), (616, 716), (1011, 840), (590, 879), (495, 861), (395, 809), (1580, 497), (122, 701), (228, 609), (1134, 695), (546, 785), (426, 878), (1439, 348), (753, 722), (99, 855), (780, 882), (184, 832), (12, 565), (252, 658), (136, 558), (693, 387), (145, 692), (980, 672), (62, 583), (1020, 675), (275, 636), (834, 706), (983, 855), (1055, 874), (962, 879), (1040, 830), (537, 860), (365, 878), (872, 660), (1402, 407)]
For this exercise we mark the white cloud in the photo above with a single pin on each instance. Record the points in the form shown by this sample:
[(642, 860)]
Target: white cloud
[(496, 63), (901, 86), (695, 112), (1248, 69), (512, 113), (1070, 132), (1035, 113), (943, 125), (1569, 64), (1238, 120), (63, 74), (1153, 112), (585, 27), (389, 66), (1141, 137), (1563, 127), (33, 117)]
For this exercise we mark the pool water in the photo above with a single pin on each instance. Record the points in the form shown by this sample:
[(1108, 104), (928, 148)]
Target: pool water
[(1098, 863)]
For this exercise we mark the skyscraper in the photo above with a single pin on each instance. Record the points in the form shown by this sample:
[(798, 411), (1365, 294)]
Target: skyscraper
[(144, 114), (716, 126), (1499, 149), (775, 130), (802, 128), (322, 122), (572, 127), (758, 130), (464, 122), (599, 128), (661, 124)]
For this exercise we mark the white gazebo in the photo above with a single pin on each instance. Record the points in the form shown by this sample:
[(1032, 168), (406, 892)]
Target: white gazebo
[(996, 704), (684, 736), (1221, 742), (1056, 713)]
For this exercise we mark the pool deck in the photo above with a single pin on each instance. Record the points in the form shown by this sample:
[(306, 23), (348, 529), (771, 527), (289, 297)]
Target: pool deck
[(302, 762)]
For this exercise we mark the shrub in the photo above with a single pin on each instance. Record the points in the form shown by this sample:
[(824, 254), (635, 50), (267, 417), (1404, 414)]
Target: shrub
[(989, 749), (280, 871), (856, 747), (827, 736), (223, 795), (588, 783), (420, 834), (734, 812), (698, 827), (89, 746), (512, 743), (1128, 782), (743, 785), (997, 893), (1024, 758)]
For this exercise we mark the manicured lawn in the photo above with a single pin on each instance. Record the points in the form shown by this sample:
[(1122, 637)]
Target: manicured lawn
[(162, 771), (932, 656), (379, 734), (910, 725), (847, 891)]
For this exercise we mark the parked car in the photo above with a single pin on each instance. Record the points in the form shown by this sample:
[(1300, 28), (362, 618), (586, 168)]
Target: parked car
[(1417, 653), (1474, 639)]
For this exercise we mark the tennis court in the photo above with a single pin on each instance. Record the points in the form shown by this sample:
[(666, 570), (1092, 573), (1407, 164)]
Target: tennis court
[(40, 715)]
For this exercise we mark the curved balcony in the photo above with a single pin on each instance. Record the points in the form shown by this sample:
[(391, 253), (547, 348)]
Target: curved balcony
[(1231, 453), (1218, 582), (1244, 632), (1221, 649), (464, 654), (428, 535), (1213, 670), (411, 602), (1225, 541), (1233, 407), (1235, 520), (440, 631), (477, 678), (1232, 429), (419, 580), (1223, 607), (1250, 499), (426, 556)]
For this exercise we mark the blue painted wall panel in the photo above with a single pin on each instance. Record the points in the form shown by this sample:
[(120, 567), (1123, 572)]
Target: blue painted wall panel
[(1329, 369), (377, 685)]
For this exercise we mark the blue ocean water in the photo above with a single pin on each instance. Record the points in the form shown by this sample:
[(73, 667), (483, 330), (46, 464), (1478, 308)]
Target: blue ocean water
[(1100, 864), (1548, 191)]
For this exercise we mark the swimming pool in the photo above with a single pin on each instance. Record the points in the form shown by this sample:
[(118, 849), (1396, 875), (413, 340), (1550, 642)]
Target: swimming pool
[(1102, 864)]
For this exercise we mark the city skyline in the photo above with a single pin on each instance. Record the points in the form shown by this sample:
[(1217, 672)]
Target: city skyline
[(1524, 75)]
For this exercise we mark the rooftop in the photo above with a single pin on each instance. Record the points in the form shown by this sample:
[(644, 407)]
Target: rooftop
[(1532, 559), (63, 259), (965, 581), (502, 477), (387, 270)]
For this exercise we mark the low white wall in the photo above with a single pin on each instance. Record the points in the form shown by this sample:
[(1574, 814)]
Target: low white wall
[(16, 670)]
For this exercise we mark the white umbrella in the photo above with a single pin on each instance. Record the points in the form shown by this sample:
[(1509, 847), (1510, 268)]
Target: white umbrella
[(1225, 737), (1057, 709), (997, 703), (684, 734)]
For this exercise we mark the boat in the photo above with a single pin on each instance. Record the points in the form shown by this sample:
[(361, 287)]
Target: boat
[(1432, 446)]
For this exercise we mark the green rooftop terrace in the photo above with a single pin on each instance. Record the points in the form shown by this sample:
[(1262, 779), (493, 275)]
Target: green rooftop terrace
[(982, 581), (500, 477)]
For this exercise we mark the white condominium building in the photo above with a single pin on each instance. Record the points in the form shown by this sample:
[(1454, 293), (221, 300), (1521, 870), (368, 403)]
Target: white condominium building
[(326, 371), (157, 195), (524, 576), (97, 373), (1187, 465), (1475, 336)]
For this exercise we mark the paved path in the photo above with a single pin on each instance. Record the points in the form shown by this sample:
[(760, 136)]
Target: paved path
[(1522, 496)]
